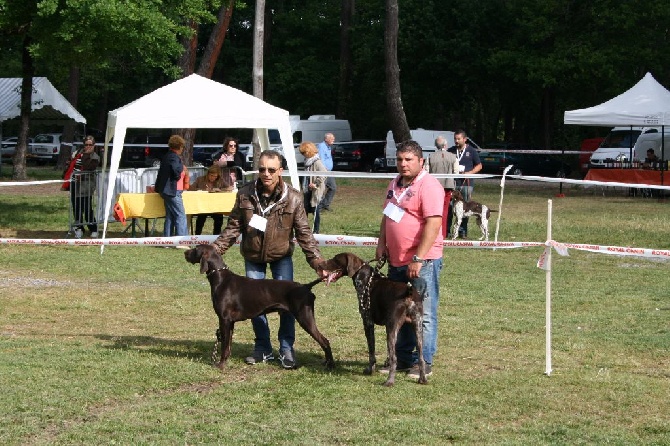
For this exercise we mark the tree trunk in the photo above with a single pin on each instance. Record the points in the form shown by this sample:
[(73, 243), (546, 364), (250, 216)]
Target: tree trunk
[(187, 65), (394, 107), (190, 44), (547, 117), (71, 125), (216, 39), (344, 92), (28, 71), (257, 75)]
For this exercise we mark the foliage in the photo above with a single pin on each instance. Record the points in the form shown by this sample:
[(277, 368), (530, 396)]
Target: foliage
[(491, 67)]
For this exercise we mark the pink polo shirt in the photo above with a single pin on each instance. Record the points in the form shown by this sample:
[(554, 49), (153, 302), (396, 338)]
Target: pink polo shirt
[(423, 198)]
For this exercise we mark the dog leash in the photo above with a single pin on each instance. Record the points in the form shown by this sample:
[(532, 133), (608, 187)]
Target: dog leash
[(364, 293), (215, 352)]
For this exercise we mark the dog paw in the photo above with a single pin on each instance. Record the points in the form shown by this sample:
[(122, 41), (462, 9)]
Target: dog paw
[(389, 383), (220, 365)]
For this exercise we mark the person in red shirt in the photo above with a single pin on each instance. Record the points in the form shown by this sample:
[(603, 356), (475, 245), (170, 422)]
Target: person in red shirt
[(410, 237)]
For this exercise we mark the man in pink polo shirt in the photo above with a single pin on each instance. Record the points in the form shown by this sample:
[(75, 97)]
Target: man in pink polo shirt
[(410, 236)]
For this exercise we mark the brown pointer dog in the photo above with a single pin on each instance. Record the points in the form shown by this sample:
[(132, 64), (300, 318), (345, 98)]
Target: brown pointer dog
[(382, 301), (237, 298)]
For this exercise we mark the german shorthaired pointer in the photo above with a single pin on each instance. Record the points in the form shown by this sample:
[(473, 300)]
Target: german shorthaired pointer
[(468, 209), (237, 298), (381, 301)]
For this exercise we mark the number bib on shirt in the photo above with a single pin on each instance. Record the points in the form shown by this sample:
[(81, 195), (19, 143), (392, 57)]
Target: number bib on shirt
[(258, 222), (394, 212)]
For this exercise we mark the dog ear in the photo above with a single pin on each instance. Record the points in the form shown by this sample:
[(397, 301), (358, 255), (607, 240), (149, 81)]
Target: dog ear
[(204, 261), (354, 264)]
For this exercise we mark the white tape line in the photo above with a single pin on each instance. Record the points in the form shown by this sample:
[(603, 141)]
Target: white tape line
[(28, 183), (346, 241)]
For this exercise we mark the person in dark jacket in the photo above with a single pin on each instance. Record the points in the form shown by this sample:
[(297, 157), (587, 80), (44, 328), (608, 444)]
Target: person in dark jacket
[(229, 159), (269, 214), (83, 188), (170, 173)]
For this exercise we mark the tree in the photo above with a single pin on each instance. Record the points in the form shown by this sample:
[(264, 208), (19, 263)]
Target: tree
[(207, 62), (395, 111), (257, 73), (78, 34)]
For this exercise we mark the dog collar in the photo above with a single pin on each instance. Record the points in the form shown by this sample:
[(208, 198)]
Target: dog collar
[(215, 270)]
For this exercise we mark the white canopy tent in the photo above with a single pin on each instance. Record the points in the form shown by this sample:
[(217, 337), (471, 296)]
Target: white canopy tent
[(46, 102), (197, 102), (646, 104)]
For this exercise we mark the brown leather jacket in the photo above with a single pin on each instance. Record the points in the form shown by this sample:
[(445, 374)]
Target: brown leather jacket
[(284, 221)]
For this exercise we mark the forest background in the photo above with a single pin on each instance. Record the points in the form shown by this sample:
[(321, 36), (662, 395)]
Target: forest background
[(502, 70)]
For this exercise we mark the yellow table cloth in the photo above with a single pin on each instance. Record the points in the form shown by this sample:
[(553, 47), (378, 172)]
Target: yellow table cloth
[(195, 202)]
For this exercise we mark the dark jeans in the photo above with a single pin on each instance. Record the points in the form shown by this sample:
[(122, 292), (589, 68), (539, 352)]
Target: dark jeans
[(200, 223), (83, 212), (466, 187)]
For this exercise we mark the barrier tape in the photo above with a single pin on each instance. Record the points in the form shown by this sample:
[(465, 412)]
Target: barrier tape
[(350, 241), (28, 183), (368, 175)]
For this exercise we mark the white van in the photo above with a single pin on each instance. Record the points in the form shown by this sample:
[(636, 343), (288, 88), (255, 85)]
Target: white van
[(651, 140), (311, 129), (617, 145)]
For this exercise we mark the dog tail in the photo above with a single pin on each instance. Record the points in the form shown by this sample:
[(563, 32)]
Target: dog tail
[(313, 282)]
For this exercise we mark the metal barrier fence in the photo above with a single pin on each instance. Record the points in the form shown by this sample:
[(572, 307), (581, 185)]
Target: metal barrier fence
[(88, 189)]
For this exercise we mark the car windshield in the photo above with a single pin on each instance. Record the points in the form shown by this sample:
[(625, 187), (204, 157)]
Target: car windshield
[(621, 139), (44, 138)]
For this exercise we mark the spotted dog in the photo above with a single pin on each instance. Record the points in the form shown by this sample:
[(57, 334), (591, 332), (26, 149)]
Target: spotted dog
[(464, 208)]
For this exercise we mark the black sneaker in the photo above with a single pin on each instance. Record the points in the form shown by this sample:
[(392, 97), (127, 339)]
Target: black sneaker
[(259, 358), (400, 367), (414, 371), (287, 360)]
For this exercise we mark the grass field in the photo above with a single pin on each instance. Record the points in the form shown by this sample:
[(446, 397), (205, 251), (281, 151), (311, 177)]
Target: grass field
[(116, 349)]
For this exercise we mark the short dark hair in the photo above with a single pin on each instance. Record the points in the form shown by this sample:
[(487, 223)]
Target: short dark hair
[(461, 132), (410, 146), (272, 154)]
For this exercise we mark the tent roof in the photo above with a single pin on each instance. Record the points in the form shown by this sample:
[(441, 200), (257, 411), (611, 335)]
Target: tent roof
[(47, 102), (197, 102), (646, 104)]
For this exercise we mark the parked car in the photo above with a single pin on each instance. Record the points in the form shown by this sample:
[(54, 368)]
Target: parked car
[(8, 146), (524, 164), (46, 147), (358, 155), (203, 154), (144, 151)]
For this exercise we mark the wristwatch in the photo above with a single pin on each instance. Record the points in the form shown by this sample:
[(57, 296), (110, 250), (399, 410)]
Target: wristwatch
[(416, 259)]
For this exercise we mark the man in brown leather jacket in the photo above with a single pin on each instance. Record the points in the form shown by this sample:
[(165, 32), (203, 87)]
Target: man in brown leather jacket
[(269, 213)]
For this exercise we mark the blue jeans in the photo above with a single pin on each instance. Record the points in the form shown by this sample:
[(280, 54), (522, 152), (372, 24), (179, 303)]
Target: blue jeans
[(331, 188), (174, 215), (428, 285), (282, 269)]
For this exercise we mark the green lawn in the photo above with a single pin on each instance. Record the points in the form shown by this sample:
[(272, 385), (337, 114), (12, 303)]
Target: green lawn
[(116, 349)]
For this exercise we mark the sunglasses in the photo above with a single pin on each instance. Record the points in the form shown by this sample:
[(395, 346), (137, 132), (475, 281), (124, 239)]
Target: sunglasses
[(271, 170), (88, 145), (232, 145)]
